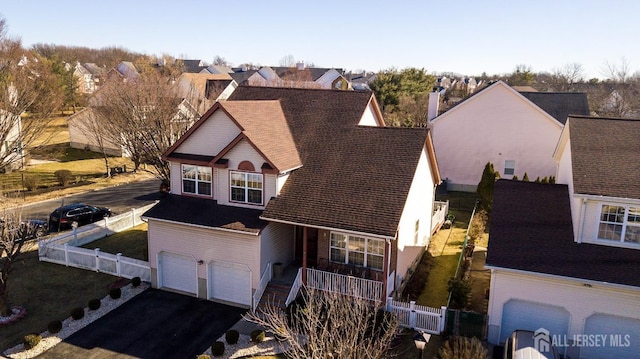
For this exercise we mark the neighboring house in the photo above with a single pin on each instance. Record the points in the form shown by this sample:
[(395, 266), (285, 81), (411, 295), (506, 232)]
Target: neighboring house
[(296, 176), (293, 77), (517, 132), (566, 257), (83, 134), (192, 66), (204, 89), (124, 71), (12, 151), (89, 76), (217, 69)]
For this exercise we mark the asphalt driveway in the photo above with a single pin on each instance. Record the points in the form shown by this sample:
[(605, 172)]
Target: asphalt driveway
[(154, 324)]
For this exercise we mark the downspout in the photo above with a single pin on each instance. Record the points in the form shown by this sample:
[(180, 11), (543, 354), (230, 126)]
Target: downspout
[(583, 202)]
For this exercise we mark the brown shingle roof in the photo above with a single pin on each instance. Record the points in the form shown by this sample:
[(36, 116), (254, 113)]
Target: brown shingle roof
[(605, 155), (353, 178), (199, 81), (264, 125), (531, 230)]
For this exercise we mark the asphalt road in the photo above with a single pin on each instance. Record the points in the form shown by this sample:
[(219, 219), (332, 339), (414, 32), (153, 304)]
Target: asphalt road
[(119, 199)]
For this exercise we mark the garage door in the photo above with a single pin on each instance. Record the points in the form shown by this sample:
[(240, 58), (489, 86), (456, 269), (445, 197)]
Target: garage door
[(177, 272), (521, 314), (621, 337), (230, 282)]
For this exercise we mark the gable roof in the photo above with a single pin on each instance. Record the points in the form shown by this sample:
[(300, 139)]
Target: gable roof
[(353, 177), (560, 104), (199, 81), (242, 76), (531, 230), (605, 156), (191, 66)]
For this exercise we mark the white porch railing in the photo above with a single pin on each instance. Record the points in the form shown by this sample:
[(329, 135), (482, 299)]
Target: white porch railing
[(344, 284), (94, 259), (440, 210), (295, 288), (262, 285), (419, 317)]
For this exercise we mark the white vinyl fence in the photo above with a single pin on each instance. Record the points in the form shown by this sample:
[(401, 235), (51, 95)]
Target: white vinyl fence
[(64, 248), (418, 317)]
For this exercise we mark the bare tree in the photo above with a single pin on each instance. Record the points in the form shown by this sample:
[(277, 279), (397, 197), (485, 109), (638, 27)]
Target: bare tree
[(622, 99), (288, 61), (145, 117), (92, 125), (563, 79), (220, 61), (331, 326), (27, 87), (13, 236)]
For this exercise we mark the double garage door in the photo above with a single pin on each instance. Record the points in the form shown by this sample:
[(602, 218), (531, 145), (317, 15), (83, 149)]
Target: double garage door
[(521, 314), (229, 282)]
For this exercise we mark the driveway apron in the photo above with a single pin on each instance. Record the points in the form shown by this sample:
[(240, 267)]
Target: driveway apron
[(154, 324)]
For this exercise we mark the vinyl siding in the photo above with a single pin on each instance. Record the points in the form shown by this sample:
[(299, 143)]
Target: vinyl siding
[(369, 117), (419, 206), (211, 137), (206, 245), (493, 126), (581, 301), (276, 244)]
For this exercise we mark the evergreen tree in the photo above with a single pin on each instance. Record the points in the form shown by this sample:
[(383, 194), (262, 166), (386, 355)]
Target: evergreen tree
[(486, 185), (526, 177)]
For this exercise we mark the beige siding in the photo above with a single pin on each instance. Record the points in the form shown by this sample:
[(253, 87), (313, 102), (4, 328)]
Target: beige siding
[(176, 178), (78, 137), (581, 301), (419, 206), (369, 117), (206, 245), (493, 126), (277, 244), (211, 137)]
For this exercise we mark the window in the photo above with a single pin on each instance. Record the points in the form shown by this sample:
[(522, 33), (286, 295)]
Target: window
[(196, 180), (246, 187), (356, 250), (620, 223), (509, 167)]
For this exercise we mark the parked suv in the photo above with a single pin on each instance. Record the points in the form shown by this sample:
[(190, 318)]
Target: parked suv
[(525, 344), (62, 218)]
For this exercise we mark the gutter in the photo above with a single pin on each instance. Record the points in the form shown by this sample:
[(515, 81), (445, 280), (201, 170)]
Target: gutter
[(145, 218), (327, 228)]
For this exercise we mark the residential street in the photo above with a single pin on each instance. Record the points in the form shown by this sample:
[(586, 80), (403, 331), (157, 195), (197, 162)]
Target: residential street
[(119, 199)]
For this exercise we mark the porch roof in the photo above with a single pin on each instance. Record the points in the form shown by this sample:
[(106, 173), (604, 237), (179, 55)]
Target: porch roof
[(207, 212)]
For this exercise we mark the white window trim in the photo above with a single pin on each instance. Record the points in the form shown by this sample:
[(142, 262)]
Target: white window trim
[(246, 188), (366, 250), (196, 180), (624, 224)]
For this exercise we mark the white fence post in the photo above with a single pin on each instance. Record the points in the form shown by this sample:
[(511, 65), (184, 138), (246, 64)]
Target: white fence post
[(66, 254), (412, 314), (443, 318), (97, 251), (118, 270)]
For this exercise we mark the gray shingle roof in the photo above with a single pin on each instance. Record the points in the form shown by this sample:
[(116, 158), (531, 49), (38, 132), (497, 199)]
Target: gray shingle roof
[(560, 104), (531, 230), (605, 156)]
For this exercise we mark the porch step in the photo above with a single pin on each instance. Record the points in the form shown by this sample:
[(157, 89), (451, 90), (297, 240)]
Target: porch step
[(276, 294)]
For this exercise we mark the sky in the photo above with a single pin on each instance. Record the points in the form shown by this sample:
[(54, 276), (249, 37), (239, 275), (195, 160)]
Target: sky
[(467, 37)]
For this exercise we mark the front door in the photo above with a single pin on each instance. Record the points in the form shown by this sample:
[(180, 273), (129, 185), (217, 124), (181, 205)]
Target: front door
[(312, 245)]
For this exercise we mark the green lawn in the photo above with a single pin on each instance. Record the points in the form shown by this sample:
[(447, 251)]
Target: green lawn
[(48, 292), (131, 243)]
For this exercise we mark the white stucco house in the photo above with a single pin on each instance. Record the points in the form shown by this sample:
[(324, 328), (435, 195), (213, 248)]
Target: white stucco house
[(516, 131), (566, 257), (305, 177)]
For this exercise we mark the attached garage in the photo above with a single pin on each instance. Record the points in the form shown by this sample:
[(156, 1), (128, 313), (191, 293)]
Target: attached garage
[(229, 282), (621, 337), (178, 272), (521, 314)]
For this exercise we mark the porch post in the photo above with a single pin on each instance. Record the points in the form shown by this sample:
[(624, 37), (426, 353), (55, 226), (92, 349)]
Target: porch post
[(385, 271), (304, 255)]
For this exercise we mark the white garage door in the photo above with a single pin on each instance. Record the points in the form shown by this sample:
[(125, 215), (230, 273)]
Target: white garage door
[(620, 337), (521, 314), (230, 282), (177, 272)]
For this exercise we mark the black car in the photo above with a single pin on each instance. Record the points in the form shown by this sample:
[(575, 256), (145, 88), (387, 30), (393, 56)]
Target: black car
[(62, 218), (25, 230)]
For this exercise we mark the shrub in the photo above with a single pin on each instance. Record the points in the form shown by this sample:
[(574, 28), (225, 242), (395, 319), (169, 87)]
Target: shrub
[(115, 293), (54, 326), (460, 290), (63, 177), (217, 349), (135, 281), (94, 304), (31, 340), (486, 185), (231, 336), (77, 313), (526, 177), (463, 348), (478, 225), (31, 182), (257, 336)]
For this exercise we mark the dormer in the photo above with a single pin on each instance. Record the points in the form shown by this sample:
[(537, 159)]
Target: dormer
[(239, 153), (599, 159)]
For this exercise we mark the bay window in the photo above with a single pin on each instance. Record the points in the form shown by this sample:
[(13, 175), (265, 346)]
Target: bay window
[(246, 187), (196, 180), (620, 224), (356, 250)]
